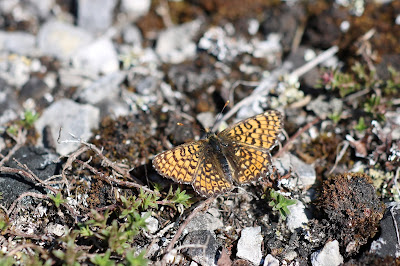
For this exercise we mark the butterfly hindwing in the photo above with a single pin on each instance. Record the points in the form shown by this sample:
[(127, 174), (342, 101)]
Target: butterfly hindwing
[(210, 179)]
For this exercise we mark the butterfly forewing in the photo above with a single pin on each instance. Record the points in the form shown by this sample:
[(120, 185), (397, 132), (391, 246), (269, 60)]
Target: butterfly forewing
[(260, 131), (181, 163)]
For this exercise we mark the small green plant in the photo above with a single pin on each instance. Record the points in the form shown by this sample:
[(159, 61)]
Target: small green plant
[(138, 260), (103, 259), (180, 197), (335, 117), (7, 260), (361, 126), (392, 85), (371, 103), (3, 225), (70, 255), (27, 121), (280, 203), (58, 199)]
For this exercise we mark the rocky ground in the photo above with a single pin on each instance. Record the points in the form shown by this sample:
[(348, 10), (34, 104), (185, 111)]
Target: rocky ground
[(91, 91)]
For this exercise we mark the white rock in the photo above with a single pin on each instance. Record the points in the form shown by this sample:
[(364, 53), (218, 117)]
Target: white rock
[(328, 256), (61, 40), (175, 44), (132, 36), (297, 216), (96, 16), (203, 221), (135, 9), (55, 229), (71, 118), (152, 224), (269, 48), (106, 87), (17, 42), (99, 57), (305, 173), (43, 7), (271, 261), (249, 245)]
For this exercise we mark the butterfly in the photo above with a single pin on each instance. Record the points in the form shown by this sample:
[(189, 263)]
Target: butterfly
[(238, 155)]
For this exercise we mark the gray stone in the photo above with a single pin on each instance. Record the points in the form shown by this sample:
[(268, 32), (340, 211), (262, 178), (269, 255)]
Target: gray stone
[(114, 108), (132, 36), (106, 87), (249, 245), (70, 77), (135, 9), (145, 84), (202, 255), (305, 174), (297, 216), (328, 256), (203, 221), (15, 70), (42, 7), (35, 88), (387, 243), (66, 117), (271, 261), (17, 42), (40, 161), (9, 106), (61, 40), (323, 108), (206, 119), (151, 224), (97, 57), (175, 44), (96, 16), (224, 44)]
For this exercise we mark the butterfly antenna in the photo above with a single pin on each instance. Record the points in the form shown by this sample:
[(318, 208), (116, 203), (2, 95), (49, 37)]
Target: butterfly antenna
[(218, 119), (201, 129)]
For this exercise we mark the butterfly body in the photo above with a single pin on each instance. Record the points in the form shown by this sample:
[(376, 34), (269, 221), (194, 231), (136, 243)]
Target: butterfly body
[(237, 155)]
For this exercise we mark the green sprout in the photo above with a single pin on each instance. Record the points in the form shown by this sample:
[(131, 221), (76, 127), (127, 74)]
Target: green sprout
[(335, 117), (58, 199), (361, 126), (280, 203), (29, 119)]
